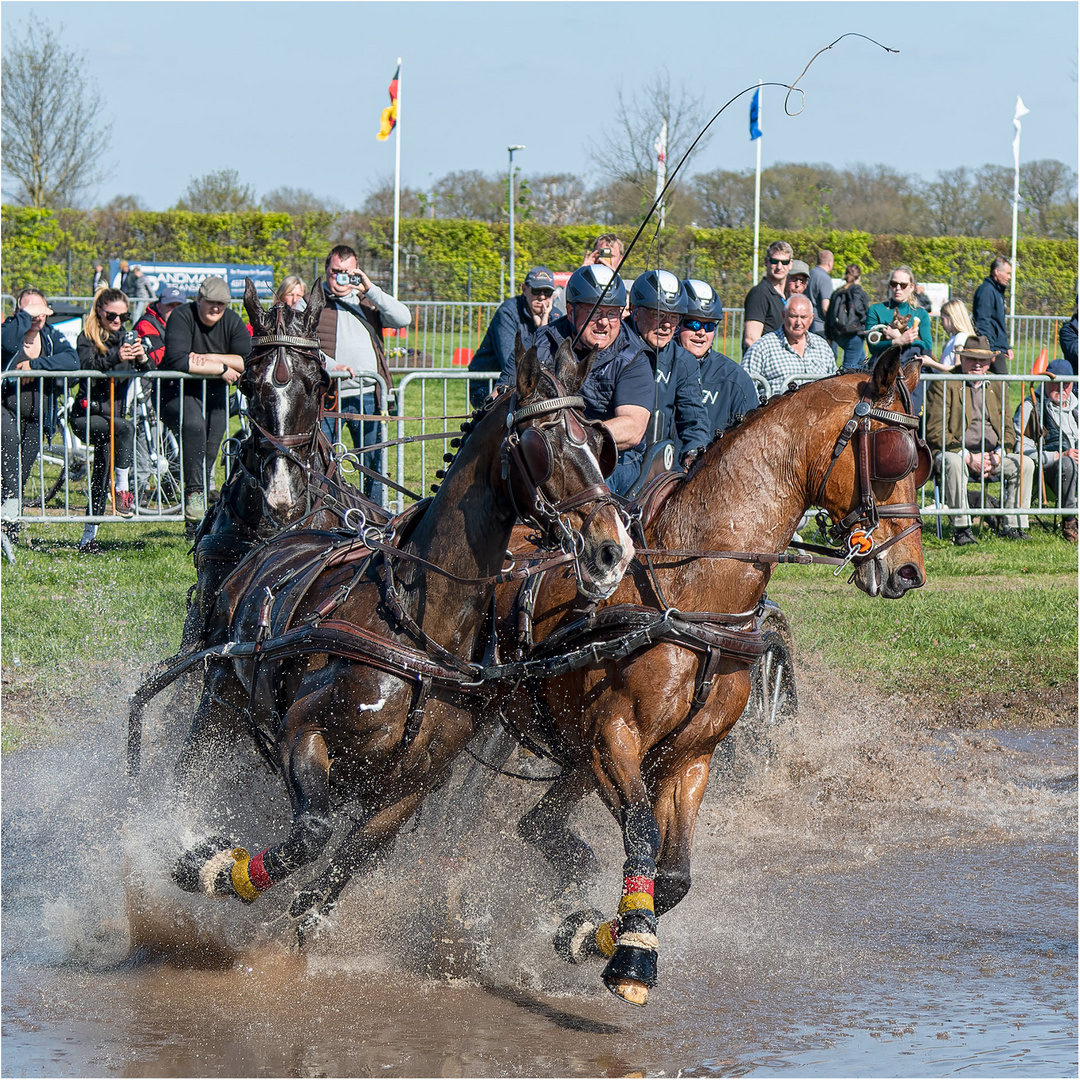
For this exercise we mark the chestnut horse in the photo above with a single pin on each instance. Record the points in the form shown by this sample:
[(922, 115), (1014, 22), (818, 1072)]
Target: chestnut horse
[(284, 473), (370, 661), (641, 731)]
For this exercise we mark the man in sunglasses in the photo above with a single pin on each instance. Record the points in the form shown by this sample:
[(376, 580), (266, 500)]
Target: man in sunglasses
[(763, 310), (657, 305), (726, 390), (518, 318)]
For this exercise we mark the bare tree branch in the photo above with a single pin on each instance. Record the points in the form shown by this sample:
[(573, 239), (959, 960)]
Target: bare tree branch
[(54, 134)]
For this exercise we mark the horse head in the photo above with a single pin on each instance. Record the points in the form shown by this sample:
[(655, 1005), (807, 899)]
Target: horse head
[(871, 477), (284, 383), (553, 468)]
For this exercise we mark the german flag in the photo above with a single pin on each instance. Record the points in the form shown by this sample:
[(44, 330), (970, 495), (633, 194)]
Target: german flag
[(388, 120)]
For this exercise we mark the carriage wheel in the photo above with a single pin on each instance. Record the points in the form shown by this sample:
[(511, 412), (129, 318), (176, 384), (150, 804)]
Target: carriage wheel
[(770, 709)]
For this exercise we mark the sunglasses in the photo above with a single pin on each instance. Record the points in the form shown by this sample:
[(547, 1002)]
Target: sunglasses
[(779, 262), (547, 294), (698, 324), (114, 316), (899, 284)]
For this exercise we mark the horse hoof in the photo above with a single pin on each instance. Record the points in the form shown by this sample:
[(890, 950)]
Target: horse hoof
[(196, 870), (637, 993), (575, 940)]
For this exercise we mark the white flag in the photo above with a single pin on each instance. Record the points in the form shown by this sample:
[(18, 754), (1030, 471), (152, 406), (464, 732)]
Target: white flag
[(660, 146), (1020, 111)]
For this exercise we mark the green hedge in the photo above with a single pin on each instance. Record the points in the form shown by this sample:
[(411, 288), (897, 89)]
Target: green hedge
[(453, 260)]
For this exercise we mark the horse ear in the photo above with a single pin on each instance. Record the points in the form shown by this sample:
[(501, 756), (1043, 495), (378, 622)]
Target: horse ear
[(316, 301), (252, 305), (569, 370), (528, 372), (910, 374), (883, 379)]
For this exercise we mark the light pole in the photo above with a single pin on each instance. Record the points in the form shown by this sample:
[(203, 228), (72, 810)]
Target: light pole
[(510, 189)]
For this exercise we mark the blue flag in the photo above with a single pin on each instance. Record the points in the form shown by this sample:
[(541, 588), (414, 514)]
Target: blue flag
[(755, 131)]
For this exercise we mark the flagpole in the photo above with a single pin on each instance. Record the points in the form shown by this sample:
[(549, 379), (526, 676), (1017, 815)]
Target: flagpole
[(757, 189), (1020, 111), (397, 182)]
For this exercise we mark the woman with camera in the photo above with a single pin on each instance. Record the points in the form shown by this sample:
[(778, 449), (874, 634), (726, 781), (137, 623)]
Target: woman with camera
[(97, 417), (30, 345), (205, 338)]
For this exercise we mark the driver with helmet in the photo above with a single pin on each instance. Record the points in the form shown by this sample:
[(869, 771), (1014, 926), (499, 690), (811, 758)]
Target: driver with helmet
[(726, 388), (657, 304), (619, 388)]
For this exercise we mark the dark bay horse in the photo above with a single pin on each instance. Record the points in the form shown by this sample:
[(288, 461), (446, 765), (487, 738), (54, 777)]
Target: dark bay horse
[(641, 731), (361, 665), (284, 474)]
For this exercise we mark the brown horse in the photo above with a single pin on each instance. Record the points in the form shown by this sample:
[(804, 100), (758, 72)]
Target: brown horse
[(369, 661), (641, 731), (284, 474)]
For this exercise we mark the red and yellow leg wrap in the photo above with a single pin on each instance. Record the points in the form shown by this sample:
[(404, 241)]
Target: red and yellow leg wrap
[(257, 871), (607, 937)]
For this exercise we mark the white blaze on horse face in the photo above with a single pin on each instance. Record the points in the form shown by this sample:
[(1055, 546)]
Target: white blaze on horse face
[(280, 495)]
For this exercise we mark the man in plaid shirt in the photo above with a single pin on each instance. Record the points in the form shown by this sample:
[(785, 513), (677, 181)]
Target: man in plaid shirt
[(791, 351)]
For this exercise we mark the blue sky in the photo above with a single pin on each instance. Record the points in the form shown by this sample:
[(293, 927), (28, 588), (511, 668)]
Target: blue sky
[(289, 93)]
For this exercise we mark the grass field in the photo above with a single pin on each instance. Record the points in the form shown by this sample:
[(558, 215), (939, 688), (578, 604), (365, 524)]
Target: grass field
[(998, 618)]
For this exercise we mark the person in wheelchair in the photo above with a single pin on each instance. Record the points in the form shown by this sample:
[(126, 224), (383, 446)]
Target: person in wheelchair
[(679, 427), (28, 344), (1048, 426), (619, 388), (726, 389), (964, 432)]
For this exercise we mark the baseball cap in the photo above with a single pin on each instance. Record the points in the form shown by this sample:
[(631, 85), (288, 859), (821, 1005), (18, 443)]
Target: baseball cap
[(1062, 369), (798, 267), (169, 295), (215, 290), (540, 277)]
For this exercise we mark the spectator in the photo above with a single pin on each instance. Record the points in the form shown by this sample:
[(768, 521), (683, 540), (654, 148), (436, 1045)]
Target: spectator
[(901, 290), (97, 415), (726, 390), (820, 290), (657, 305), (208, 339), (619, 388), (151, 327), (350, 334), (291, 293), (780, 356), (100, 279), (1050, 437), (1067, 338), (920, 299), (956, 322), (606, 249), (27, 343), (798, 279), (845, 321), (966, 432), (141, 291), (988, 308), (763, 310), (122, 280), (518, 318)]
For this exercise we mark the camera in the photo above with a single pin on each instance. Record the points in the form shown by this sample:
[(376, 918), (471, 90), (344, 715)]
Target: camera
[(348, 279), (604, 253)]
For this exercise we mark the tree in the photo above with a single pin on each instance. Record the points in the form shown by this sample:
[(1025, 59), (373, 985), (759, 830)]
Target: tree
[(297, 202), (470, 196), (878, 199), (55, 135), (726, 199), (380, 201), (560, 199), (626, 152), (217, 193), (1048, 189), (124, 204)]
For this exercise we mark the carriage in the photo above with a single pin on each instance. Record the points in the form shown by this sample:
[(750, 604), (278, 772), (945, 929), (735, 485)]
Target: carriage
[(625, 650)]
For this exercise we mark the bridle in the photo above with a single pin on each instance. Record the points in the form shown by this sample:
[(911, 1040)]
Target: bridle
[(886, 455), (528, 462)]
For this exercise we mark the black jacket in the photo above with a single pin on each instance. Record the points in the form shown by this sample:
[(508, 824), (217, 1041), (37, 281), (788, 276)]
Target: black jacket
[(56, 355), (988, 311), (95, 398)]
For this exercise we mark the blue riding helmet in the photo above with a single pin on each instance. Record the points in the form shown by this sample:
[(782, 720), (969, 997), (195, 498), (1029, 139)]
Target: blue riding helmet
[(702, 301), (587, 283), (659, 290)]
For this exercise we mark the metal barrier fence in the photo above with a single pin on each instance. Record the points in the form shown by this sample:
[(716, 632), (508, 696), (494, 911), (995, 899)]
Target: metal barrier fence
[(55, 486), (444, 334)]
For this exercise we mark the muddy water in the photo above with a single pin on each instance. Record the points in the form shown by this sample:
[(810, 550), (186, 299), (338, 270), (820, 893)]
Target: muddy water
[(873, 901)]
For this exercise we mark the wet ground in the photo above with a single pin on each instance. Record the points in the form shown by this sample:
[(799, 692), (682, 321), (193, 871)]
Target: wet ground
[(875, 900)]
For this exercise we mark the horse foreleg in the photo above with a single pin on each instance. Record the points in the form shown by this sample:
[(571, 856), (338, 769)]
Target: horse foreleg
[(676, 808), (547, 827), (218, 868)]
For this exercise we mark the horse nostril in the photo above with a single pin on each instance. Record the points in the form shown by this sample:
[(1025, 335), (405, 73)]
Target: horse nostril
[(609, 554), (909, 572)]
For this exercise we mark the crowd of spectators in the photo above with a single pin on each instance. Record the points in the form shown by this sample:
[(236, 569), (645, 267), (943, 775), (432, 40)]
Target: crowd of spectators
[(657, 381)]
